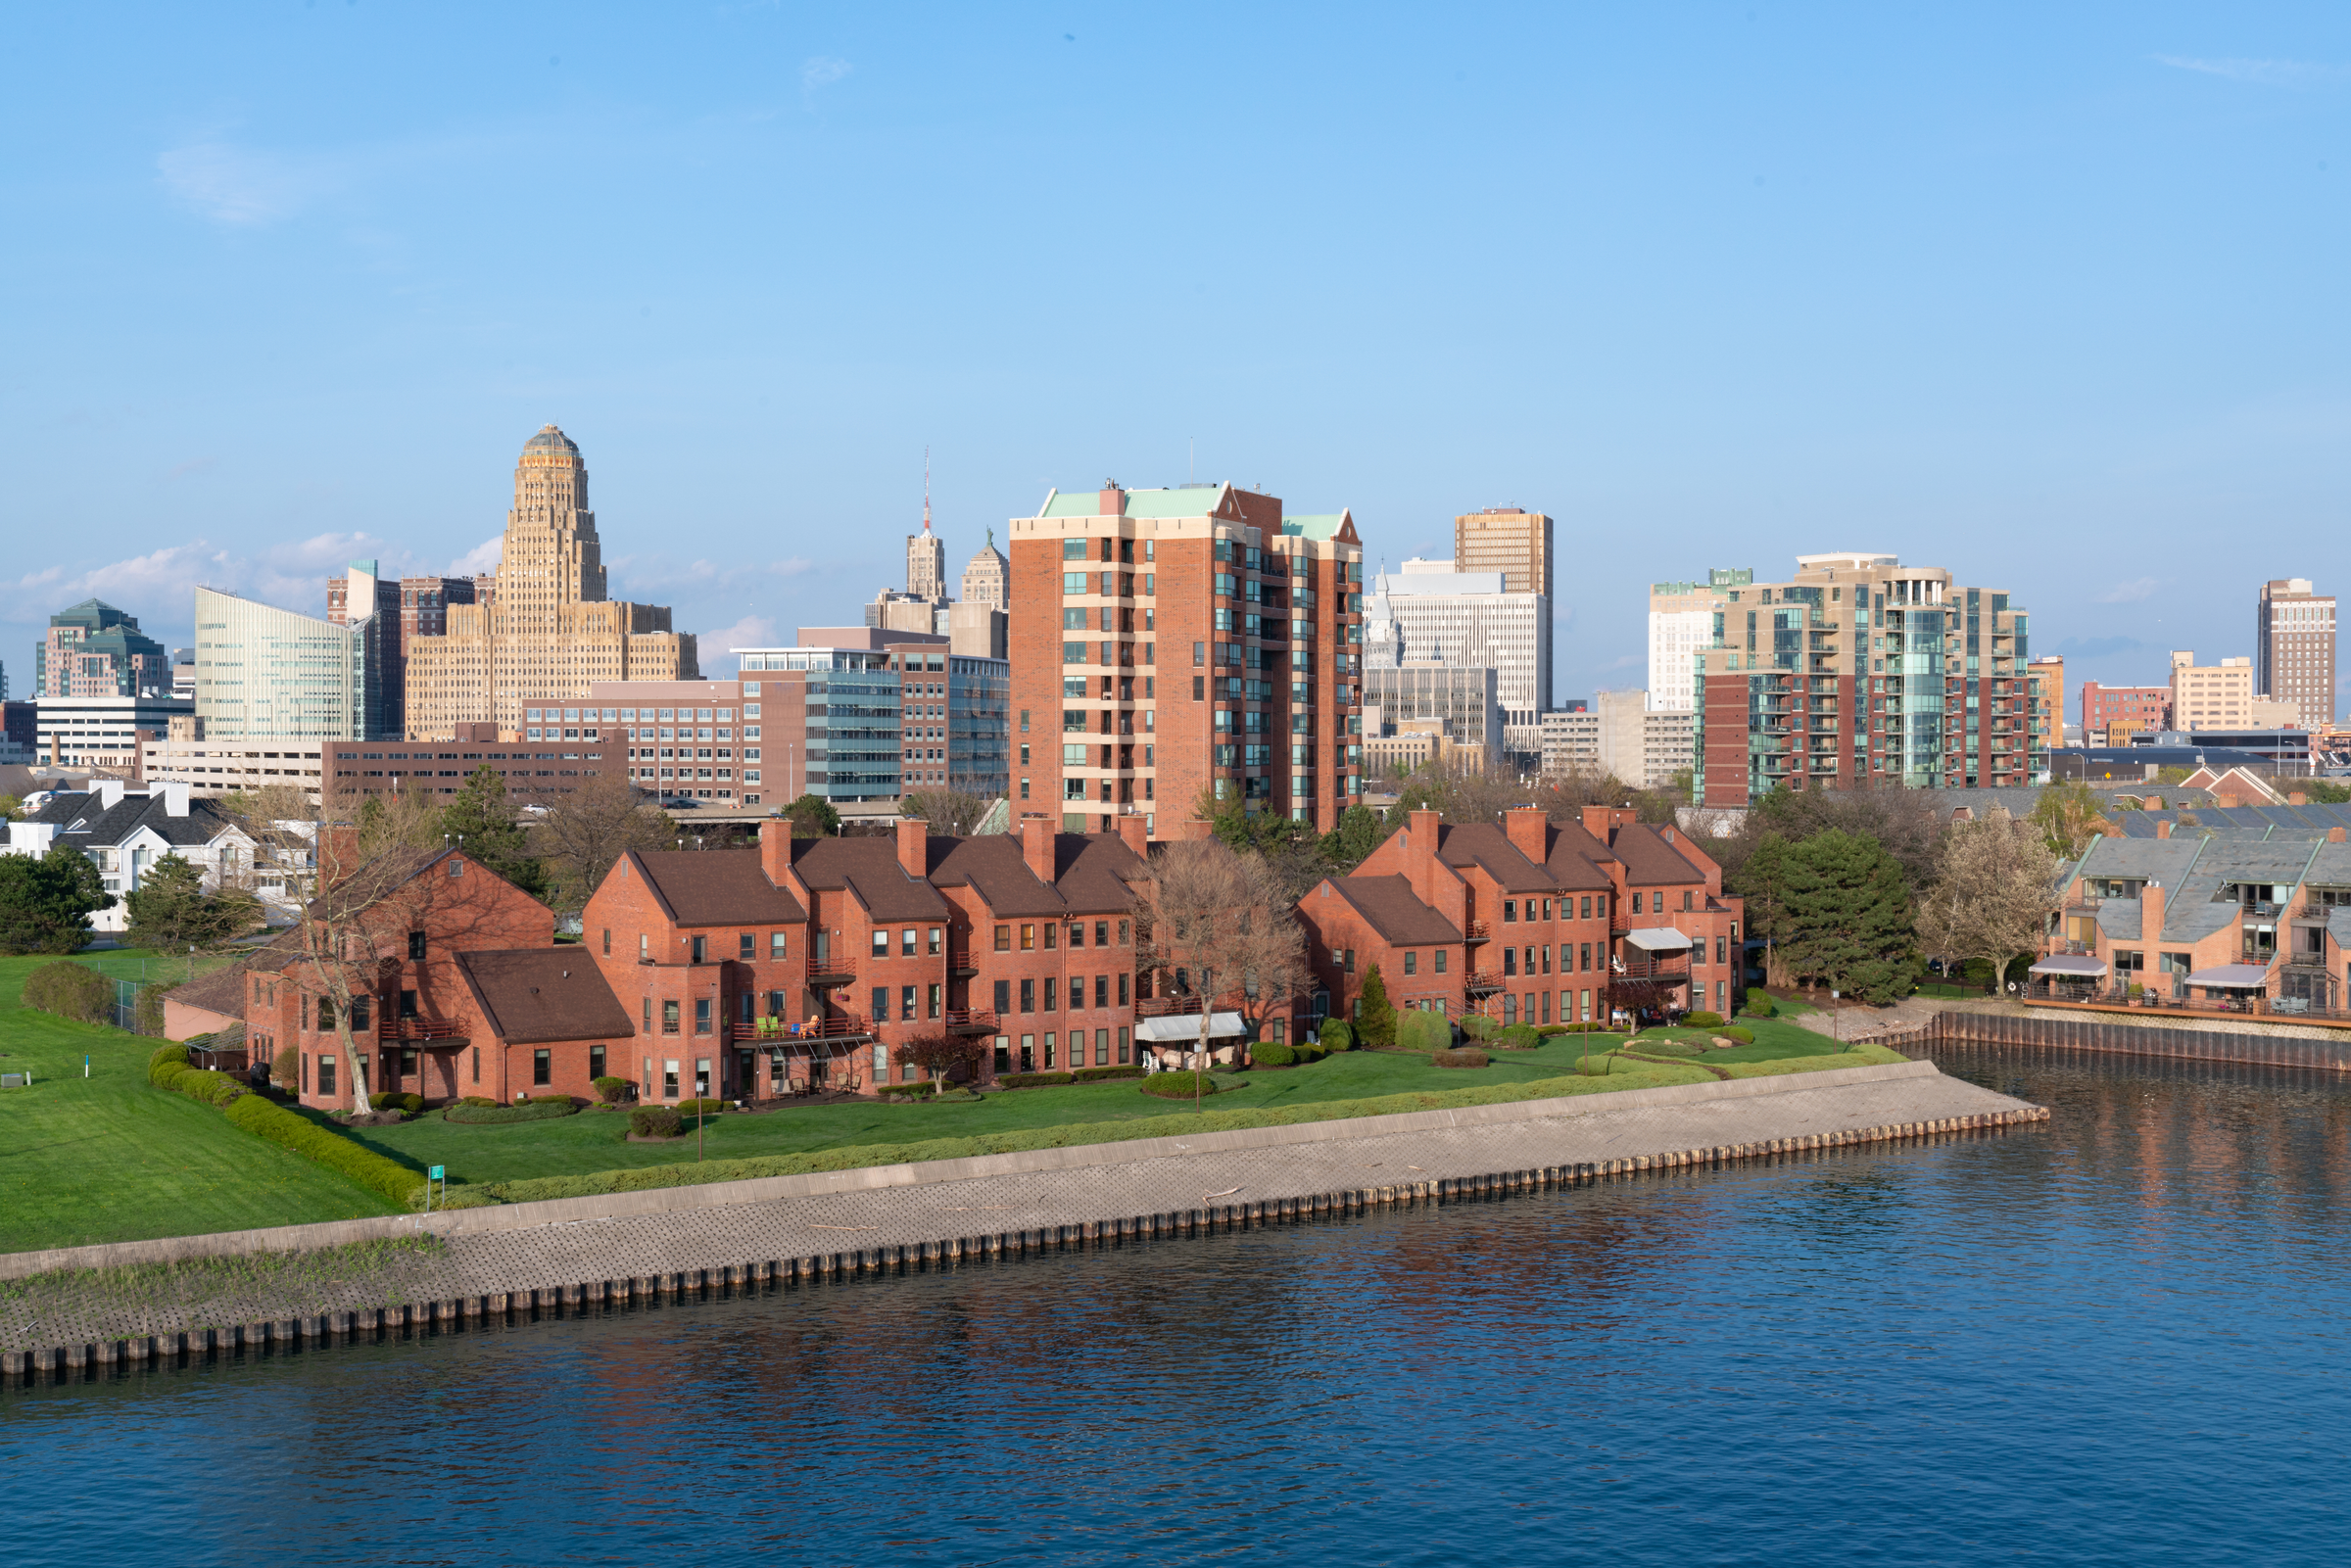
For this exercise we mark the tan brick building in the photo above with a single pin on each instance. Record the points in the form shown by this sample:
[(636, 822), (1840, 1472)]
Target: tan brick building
[(1166, 642), (1505, 540), (549, 631)]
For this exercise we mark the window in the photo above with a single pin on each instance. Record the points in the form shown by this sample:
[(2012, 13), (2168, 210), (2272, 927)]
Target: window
[(1347, 961), (645, 948), (1003, 938), (1636, 903), (700, 948), (477, 1062), (932, 1010), (1101, 1048), (1123, 991), (938, 938), (669, 1079), (1052, 935), (906, 1004), (596, 1062), (1583, 951), (326, 1014), (1101, 990), (1509, 1009), (1101, 934), (541, 1068), (1027, 938), (358, 1012), (415, 944), (326, 1074), (1510, 912), (1587, 907), (1125, 1044), (702, 1014), (1077, 933), (669, 1017), (608, 941), (1028, 996), (1412, 962), (1003, 997), (1440, 961), (1510, 960), (1051, 985), (776, 948), (880, 1011), (906, 939), (746, 946), (649, 1017)]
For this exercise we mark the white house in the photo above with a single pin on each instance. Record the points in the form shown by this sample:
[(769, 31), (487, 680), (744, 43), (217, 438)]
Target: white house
[(127, 829)]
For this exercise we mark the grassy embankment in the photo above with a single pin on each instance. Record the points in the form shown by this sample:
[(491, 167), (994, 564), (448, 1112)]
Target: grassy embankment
[(110, 1158)]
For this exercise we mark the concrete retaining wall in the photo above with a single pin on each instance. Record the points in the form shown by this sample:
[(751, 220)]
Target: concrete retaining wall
[(2137, 1039)]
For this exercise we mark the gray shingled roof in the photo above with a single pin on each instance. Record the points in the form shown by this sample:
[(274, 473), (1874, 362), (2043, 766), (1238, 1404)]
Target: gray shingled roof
[(82, 822)]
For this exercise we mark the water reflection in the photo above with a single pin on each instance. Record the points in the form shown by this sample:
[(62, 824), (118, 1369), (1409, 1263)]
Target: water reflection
[(2047, 1342)]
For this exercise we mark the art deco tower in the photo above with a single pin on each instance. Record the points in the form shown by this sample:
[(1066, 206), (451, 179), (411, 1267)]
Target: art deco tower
[(549, 630)]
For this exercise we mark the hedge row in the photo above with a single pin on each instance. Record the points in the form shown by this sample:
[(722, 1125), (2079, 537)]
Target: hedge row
[(1702, 1020), (1471, 1057), (1177, 1085), (481, 1116), (305, 1138)]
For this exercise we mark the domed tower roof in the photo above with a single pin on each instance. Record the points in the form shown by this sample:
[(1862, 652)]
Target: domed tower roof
[(550, 439)]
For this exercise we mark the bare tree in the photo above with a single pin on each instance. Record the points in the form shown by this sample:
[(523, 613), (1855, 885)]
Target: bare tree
[(588, 831), (1206, 910), (951, 813), (1995, 890)]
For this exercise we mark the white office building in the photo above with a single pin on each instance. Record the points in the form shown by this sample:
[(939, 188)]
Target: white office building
[(1426, 611), (1681, 625), (265, 671)]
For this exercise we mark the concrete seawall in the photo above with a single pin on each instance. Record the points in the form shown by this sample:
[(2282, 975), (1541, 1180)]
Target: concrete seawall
[(624, 1248), (2187, 1039)]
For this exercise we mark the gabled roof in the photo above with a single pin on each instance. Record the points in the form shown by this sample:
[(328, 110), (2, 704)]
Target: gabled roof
[(1650, 860), (529, 995), (1578, 858), (868, 868), (93, 826), (1390, 907), (715, 887), (994, 867), (1484, 844), (223, 990)]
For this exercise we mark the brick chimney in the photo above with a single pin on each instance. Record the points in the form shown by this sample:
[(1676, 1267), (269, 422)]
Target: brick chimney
[(2163, 830), (1133, 830), (1602, 822), (2297, 798), (1422, 832), (2335, 836), (2150, 913), (775, 850), (1037, 847), (1526, 827), (914, 846)]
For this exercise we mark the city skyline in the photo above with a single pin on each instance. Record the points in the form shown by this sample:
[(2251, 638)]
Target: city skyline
[(1974, 331)]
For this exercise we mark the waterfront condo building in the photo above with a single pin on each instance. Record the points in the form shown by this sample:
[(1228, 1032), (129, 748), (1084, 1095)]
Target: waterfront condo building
[(2293, 649), (548, 631), (857, 713), (1860, 671), (1172, 644)]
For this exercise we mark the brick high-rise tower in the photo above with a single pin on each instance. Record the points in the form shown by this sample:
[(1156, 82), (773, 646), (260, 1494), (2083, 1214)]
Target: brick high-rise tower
[(549, 631), (1168, 644), (2293, 649)]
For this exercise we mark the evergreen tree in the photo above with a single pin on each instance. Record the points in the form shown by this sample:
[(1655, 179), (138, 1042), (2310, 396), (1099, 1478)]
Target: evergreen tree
[(1763, 881), (812, 816), (482, 819), (45, 903), (1358, 833), (170, 910), (1848, 909), (1375, 1018)]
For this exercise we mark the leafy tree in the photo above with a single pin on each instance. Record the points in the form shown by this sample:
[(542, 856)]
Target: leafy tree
[(1994, 894), (483, 821), (942, 1056), (2319, 792), (812, 816), (1201, 908), (170, 910), (1848, 905), (46, 902), (1360, 832), (1910, 823), (2069, 815), (12, 807), (1763, 881), (1376, 1016)]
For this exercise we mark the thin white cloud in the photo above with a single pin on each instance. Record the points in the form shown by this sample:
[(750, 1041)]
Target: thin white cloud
[(238, 185), (483, 558), (2267, 72), (751, 632), (822, 70), (2128, 593)]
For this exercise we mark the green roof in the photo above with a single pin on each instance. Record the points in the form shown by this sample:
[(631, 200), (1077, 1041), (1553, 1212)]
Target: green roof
[(1314, 525), (1191, 500)]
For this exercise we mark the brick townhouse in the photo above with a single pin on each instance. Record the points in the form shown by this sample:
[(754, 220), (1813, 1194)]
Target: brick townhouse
[(1529, 921), (2203, 925)]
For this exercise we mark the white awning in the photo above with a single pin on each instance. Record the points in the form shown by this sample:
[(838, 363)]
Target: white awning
[(1658, 939), (2232, 976), (2079, 965), (1177, 1029)]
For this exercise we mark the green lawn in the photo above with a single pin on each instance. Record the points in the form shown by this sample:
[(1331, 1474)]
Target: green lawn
[(594, 1141), (110, 1158)]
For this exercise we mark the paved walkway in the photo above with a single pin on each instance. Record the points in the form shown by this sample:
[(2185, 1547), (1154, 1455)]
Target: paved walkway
[(1097, 1186)]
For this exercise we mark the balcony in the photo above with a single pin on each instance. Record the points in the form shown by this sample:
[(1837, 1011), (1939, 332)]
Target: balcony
[(1475, 931), (1160, 1007), (971, 1021), (445, 1032), (962, 963), (1485, 982), (826, 973)]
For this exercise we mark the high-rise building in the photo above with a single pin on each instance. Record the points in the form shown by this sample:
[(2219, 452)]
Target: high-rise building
[(424, 602), (548, 631), (986, 578), (1861, 671), (96, 650), (262, 671), (2212, 697), (1430, 610), (1681, 624), (1463, 699), (925, 563), (857, 713), (102, 733), (2047, 674), (1505, 540), (1262, 638), (2293, 649), (2120, 710)]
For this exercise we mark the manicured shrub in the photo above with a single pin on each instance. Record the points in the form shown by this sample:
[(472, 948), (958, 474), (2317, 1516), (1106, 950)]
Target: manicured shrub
[(284, 1067), (655, 1121), (1518, 1038), (1094, 1075), (1471, 1058), (1035, 1080), (909, 1091), (1420, 1030), (383, 1099), (1478, 1026), (1759, 1005), (1375, 1015), (477, 1099), (1732, 1031), (1176, 1085), (467, 1114), (71, 991), (1550, 1029), (387, 1177), (1702, 1020), (565, 1100), (610, 1089), (1273, 1054), (165, 1062), (1337, 1035), (702, 1108)]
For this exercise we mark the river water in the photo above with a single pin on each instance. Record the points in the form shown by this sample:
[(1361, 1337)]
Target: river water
[(2117, 1337)]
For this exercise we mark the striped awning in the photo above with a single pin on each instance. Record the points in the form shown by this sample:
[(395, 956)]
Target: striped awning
[(2077, 965)]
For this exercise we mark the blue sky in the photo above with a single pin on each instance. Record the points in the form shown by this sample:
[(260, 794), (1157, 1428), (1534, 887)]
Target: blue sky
[(2053, 296)]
